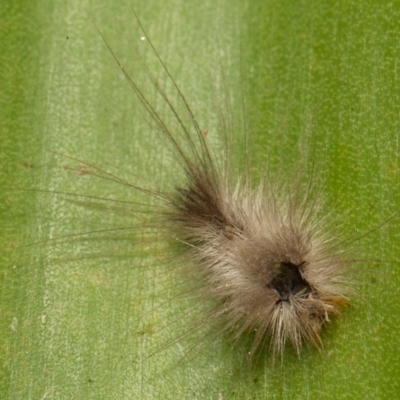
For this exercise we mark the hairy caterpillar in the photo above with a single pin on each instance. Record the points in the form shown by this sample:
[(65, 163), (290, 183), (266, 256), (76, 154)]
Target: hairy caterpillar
[(261, 251), (84, 179)]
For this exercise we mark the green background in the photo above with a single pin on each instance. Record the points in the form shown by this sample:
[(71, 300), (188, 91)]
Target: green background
[(99, 316)]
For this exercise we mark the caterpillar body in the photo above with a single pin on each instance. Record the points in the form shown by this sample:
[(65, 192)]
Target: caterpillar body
[(260, 250)]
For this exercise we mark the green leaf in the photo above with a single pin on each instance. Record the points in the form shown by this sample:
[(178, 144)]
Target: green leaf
[(90, 305)]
